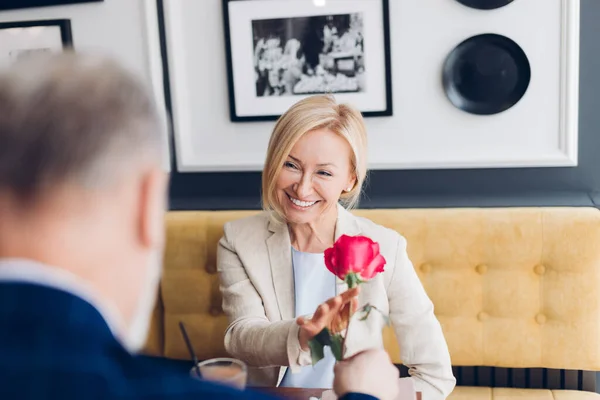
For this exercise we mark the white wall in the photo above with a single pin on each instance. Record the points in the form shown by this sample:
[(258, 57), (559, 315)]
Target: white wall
[(124, 29), (426, 131)]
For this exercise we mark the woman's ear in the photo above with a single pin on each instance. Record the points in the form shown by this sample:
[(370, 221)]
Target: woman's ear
[(351, 184)]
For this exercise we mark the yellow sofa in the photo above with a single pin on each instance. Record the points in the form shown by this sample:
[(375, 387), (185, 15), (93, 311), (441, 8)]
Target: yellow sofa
[(512, 287)]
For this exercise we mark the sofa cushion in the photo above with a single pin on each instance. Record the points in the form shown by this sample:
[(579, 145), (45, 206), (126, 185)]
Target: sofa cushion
[(190, 285), (512, 287)]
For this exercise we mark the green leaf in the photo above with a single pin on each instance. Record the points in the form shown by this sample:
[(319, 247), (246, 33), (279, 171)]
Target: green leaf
[(367, 310), (316, 350), (317, 345), (324, 337), (337, 343)]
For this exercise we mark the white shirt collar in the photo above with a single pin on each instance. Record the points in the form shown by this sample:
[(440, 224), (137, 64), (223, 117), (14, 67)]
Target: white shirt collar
[(33, 272)]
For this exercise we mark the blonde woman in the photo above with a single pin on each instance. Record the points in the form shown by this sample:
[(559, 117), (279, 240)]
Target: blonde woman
[(272, 271)]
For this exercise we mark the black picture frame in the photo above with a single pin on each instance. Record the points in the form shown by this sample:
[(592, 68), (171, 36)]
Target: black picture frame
[(17, 4), (63, 24), (386, 92)]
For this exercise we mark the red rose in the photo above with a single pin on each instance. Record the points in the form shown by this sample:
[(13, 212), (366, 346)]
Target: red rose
[(354, 259)]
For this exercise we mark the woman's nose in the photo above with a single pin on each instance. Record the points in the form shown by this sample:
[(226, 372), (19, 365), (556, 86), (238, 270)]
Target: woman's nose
[(304, 188)]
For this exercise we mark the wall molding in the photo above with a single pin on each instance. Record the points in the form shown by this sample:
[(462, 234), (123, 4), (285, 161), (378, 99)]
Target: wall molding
[(569, 85), (426, 132)]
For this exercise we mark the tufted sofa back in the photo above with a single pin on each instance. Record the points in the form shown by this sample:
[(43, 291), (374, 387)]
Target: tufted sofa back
[(512, 287)]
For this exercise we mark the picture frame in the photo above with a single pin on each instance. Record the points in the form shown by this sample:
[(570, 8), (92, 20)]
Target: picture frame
[(278, 52), (20, 38), (17, 4)]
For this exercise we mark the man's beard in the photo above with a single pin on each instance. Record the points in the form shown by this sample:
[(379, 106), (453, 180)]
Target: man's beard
[(137, 334)]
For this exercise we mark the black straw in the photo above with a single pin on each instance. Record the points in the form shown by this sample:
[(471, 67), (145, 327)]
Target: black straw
[(190, 348)]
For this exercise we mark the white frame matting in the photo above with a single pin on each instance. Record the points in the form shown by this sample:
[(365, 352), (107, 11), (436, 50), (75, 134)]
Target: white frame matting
[(155, 68), (426, 131)]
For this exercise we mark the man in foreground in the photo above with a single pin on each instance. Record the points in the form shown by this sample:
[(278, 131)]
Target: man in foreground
[(82, 202)]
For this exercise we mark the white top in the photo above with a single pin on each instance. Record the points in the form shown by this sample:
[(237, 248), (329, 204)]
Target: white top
[(313, 285)]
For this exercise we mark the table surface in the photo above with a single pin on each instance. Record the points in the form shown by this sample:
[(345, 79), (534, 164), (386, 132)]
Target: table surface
[(293, 393), (300, 393)]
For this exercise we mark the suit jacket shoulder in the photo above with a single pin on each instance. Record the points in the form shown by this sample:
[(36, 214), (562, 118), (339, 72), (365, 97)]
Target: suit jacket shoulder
[(378, 233), (253, 228), (58, 346)]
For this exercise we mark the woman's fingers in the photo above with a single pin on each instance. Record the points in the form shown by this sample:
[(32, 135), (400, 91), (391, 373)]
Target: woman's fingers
[(312, 330), (323, 314), (354, 304), (350, 294), (328, 313), (336, 303), (332, 314)]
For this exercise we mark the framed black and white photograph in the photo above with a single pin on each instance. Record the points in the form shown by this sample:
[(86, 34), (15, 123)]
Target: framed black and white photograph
[(279, 51), (16, 4), (24, 38)]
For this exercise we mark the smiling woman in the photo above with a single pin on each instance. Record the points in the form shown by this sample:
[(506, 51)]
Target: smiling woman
[(316, 158), (272, 265)]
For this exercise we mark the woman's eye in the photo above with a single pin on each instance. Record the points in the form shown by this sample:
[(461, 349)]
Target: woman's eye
[(288, 164), (324, 173)]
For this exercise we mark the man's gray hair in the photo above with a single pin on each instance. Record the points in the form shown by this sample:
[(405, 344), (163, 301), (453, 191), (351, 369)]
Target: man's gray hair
[(73, 119)]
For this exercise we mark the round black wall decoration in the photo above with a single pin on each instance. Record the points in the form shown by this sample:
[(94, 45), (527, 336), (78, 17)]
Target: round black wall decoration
[(486, 74), (485, 4)]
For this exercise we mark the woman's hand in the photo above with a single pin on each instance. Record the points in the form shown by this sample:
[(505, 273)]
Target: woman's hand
[(332, 314)]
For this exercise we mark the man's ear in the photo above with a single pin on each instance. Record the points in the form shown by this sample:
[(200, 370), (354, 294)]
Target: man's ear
[(152, 208)]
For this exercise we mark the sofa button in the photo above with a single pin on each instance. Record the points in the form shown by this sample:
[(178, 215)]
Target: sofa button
[(481, 269), (426, 268), (210, 269), (482, 316), (540, 319), (540, 269), (215, 311)]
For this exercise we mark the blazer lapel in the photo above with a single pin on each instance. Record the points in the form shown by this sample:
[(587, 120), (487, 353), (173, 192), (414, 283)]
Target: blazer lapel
[(346, 224), (280, 258)]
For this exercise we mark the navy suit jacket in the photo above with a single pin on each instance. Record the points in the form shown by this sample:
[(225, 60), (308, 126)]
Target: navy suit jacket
[(54, 345)]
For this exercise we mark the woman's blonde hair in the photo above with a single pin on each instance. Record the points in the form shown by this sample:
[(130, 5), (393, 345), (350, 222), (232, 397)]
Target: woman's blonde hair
[(309, 114)]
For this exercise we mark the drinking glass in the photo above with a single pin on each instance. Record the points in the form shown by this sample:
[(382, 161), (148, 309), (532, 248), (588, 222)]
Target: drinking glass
[(226, 371)]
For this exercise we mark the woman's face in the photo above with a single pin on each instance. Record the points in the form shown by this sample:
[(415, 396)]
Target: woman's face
[(314, 176)]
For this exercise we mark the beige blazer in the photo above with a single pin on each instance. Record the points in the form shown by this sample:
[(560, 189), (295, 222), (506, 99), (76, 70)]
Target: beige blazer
[(254, 261)]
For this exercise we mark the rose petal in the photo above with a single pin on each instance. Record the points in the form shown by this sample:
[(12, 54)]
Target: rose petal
[(330, 260), (357, 252), (354, 254), (375, 266)]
